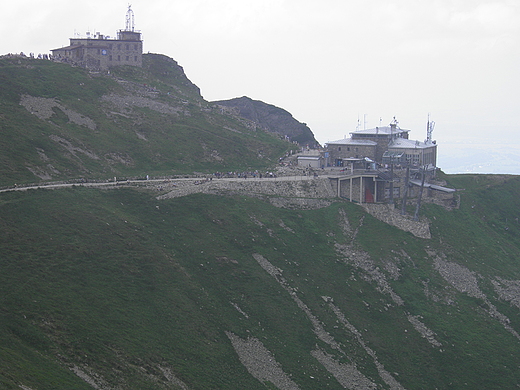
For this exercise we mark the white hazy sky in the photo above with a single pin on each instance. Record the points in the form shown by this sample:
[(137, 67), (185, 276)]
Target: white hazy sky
[(328, 62)]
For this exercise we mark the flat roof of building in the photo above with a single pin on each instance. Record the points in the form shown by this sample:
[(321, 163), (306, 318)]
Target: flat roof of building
[(71, 47), (387, 130), (350, 141), (401, 143), (308, 157)]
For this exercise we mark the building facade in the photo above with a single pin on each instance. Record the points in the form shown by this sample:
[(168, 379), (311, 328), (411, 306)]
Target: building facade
[(364, 144), (101, 52), (338, 153), (412, 153), (382, 164)]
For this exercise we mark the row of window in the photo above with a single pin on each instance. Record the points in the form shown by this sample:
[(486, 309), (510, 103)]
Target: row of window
[(127, 46), (79, 54), (397, 192), (427, 158), (127, 58), (119, 45), (348, 149)]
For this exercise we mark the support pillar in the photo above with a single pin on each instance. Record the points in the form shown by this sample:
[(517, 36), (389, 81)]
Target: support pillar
[(351, 189), (361, 189)]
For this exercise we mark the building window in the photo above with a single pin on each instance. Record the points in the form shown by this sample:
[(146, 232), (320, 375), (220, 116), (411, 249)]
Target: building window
[(110, 57), (339, 148), (397, 192), (127, 46), (119, 58), (127, 58)]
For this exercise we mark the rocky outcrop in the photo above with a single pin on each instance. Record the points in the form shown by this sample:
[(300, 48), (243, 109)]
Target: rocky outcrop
[(260, 362), (126, 103), (271, 118), (389, 215), (44, 108)]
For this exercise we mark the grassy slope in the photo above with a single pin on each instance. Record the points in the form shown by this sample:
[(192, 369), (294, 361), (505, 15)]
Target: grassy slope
[(174, 143), (117, 280)]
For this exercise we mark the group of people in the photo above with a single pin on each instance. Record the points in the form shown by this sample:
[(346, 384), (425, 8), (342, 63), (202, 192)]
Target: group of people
[(31, 55), (245, 175)]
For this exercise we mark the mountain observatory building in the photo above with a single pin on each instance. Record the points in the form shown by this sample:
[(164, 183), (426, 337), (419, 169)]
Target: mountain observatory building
[(100, 52)]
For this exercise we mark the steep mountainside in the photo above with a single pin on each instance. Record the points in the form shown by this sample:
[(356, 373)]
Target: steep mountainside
[(121, 290), (272, 118), (250, 283), (60, 122)]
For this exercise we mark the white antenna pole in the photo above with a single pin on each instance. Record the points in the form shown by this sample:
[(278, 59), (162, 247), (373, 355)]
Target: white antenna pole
[(129, 19), (429, 129)]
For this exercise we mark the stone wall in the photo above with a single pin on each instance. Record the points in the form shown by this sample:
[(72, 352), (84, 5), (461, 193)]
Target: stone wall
[(282, 192), (301, 193)]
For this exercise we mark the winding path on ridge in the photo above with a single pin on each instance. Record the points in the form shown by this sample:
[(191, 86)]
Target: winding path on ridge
[(152, 181)]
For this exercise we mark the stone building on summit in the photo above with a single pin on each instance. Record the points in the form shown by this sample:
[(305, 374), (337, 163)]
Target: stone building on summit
[(386, 144), (382, 164), (101, 52)]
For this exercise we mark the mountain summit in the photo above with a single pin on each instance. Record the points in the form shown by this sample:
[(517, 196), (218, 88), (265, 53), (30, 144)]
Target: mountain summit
[(272, 118), (69, 122)]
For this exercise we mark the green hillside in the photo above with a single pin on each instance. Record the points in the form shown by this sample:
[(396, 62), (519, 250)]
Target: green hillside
[(127, 288), (59, 122), (129, 292)]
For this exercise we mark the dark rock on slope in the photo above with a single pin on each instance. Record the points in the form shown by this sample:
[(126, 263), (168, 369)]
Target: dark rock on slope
[(271, 118)]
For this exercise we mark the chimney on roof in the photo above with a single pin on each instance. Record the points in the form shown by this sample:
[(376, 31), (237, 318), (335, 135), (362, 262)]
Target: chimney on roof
[(393, 127), (393, 131)]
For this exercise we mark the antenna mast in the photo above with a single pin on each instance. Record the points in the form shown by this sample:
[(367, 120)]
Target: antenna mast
[(429, 130), (129, 19)]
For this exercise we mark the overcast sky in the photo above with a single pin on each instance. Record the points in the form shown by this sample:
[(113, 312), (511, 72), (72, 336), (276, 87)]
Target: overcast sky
[(329, 63)]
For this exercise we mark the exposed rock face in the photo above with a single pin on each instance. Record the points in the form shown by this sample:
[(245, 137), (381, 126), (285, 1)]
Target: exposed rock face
[(466, 281), (260, 362), (346, 374), (43, 109), (271, 118), (428, 334), (388, 214), (125, 103)]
